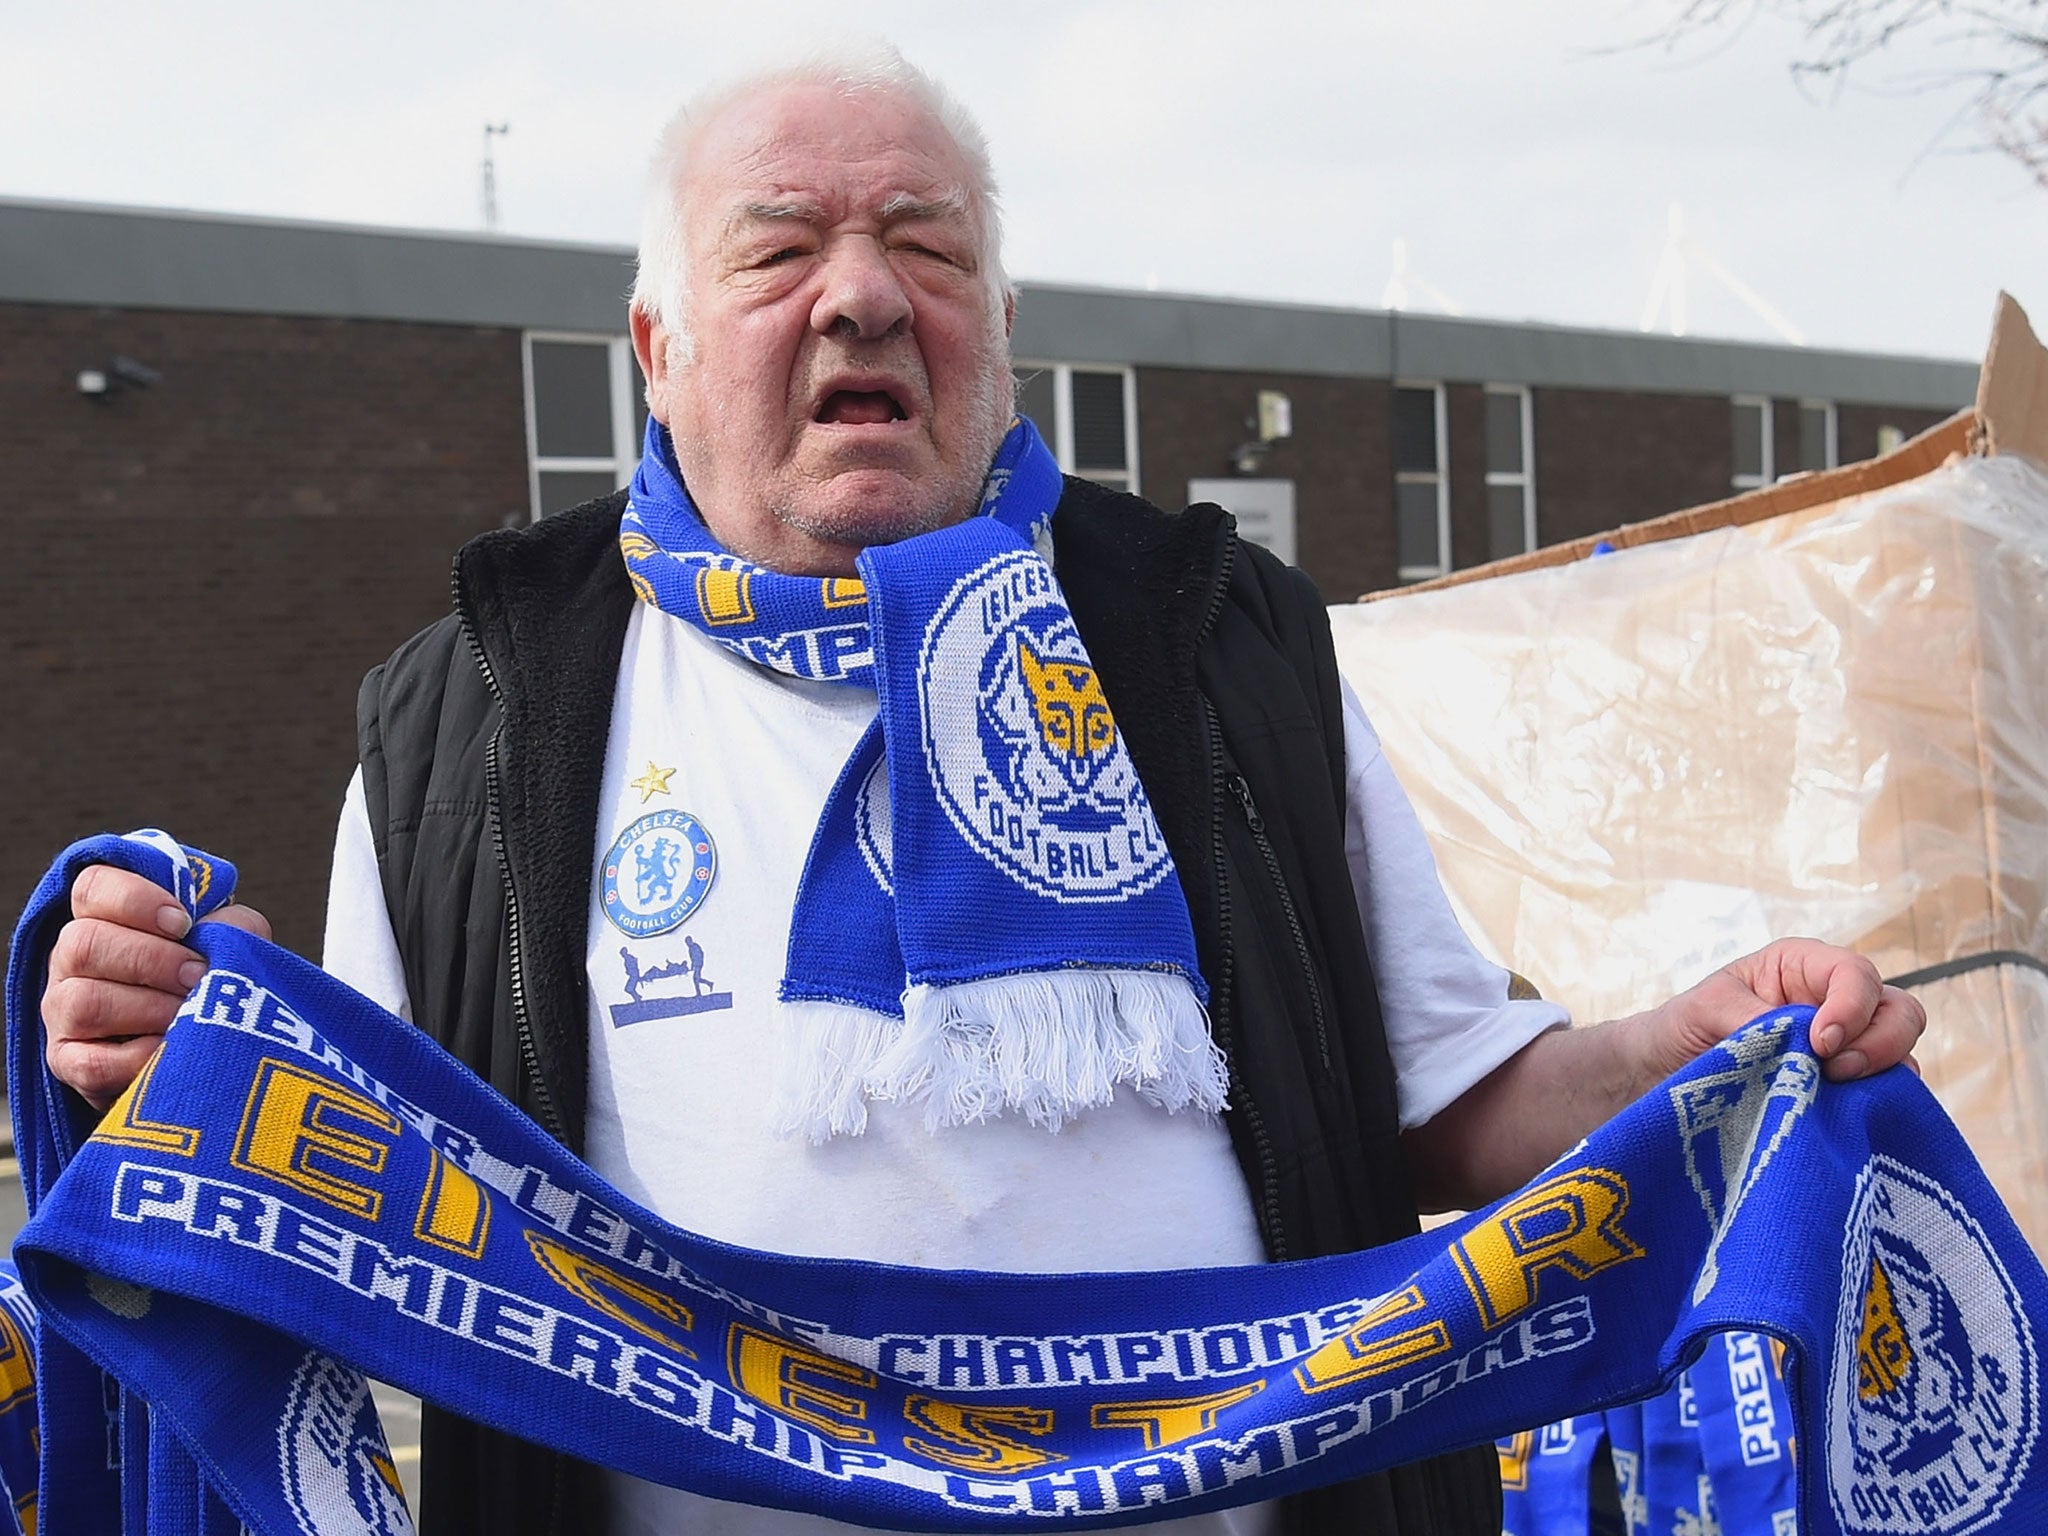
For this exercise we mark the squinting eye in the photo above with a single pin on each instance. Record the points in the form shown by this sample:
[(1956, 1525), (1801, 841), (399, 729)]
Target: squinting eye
[(785, 254)]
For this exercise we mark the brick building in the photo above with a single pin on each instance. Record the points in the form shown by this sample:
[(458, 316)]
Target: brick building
[(236, 454)]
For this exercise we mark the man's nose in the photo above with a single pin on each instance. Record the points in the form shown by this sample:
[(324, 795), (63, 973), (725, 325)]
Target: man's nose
[(862, 293)]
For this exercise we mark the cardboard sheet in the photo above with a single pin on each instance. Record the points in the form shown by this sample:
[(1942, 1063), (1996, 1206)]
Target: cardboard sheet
[(1829, 720)]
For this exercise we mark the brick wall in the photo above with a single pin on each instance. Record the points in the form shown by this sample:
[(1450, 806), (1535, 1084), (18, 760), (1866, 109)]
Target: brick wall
[(1340, 459), (197, 575), (1856, 426), (1606, 457)]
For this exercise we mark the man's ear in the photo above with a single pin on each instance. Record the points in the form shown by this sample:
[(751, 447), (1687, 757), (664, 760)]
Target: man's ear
[(1009, 311), (650, 346)]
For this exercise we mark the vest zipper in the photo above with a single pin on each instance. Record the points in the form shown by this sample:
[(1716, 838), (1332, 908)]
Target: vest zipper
[(522, 1023), (1242, 791), (1241, 1101)]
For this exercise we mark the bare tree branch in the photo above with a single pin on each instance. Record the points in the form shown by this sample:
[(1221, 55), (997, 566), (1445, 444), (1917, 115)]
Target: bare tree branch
[(2006, 99)]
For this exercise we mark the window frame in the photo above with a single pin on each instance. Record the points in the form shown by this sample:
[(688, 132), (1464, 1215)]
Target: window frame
[(1526, 478), (1441, 477), (619, 367), (1768, 447), (1832, 449), (1062, 440)]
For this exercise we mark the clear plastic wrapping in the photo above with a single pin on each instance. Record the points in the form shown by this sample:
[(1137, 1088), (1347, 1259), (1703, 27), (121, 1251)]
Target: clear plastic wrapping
[(1834, 722)]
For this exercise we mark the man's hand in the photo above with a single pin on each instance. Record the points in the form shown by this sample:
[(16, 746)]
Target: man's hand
[(1565, 1084), (1860, 1025), (117, 977)]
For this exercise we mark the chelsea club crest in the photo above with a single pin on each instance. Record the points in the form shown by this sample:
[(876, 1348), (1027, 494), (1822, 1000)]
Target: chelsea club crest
[(657, 872), (1021, 745), (1933, 1406)]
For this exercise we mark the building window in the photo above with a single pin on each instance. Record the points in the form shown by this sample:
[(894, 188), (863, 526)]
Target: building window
[(1087, 416), (585, 410), (1510, 472), (1817, 446), (1422, 501), (1753, 465)]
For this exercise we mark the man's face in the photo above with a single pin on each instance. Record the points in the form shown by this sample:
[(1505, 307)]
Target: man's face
[(850, 381)]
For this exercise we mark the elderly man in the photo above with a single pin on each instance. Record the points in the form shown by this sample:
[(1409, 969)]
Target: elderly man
[(764, 834)]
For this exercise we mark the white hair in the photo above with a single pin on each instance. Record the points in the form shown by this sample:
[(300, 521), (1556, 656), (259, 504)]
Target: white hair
[(661, 289)]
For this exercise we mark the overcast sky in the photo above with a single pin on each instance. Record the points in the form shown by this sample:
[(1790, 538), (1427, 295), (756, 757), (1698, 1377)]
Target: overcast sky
[(1271, 150)]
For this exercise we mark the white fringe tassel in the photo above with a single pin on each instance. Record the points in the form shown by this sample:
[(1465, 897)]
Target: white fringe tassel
[(1048, 1045)]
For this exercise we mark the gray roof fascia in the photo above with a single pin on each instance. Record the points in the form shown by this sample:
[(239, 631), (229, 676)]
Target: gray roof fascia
[(68, 253), (81, 254), (1485, 351), (1102, 325), (1085, 325)]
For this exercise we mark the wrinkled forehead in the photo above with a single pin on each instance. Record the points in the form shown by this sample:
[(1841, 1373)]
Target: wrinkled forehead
[(844, 151)]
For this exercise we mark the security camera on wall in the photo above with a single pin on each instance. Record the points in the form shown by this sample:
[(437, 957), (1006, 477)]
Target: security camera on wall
[(100, 384)]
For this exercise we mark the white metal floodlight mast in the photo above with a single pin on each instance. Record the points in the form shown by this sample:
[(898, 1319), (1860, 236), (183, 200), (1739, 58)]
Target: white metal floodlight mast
[(1395, 295), (1667, 288)]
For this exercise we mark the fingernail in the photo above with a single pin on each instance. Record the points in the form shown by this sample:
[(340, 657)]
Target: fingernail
[(1829, 1040), (173, 919), (189, 974), (1852, 1063)]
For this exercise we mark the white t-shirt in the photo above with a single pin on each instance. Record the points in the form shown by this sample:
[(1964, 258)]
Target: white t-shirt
[(715, 775)]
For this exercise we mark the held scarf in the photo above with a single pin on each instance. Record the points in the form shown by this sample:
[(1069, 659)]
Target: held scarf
[(988, 919), (301, 1187)]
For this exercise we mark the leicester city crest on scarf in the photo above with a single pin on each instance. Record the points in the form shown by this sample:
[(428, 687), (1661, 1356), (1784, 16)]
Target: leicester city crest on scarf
[(1021, 742), (333, 1464), (1932, 1401), (993, 783)]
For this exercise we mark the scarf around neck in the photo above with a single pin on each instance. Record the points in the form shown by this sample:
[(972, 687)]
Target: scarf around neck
[(988, 920)]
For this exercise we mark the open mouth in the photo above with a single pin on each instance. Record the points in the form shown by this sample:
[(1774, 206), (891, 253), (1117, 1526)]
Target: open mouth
[(860, 408)]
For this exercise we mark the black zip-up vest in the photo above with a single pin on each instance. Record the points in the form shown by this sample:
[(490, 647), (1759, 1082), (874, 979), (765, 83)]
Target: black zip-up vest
[(482, 742)]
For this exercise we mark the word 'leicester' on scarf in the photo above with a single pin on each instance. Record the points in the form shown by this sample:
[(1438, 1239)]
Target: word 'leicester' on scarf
[(992, 783), (301, 1188)]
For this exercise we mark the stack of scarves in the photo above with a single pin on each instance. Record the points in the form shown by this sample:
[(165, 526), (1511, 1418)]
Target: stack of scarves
[(302, 1189), (1715, 1453)]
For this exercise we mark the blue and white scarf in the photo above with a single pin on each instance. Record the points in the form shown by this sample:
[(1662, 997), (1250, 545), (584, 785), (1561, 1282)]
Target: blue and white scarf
[(302, 1187), (989, 920), (1546, 1477), (1714, 1453)]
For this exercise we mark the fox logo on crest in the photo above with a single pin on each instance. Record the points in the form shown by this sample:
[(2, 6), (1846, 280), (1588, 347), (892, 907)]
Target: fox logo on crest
[(1913, 1367), (1073, 715), (1046, 726), (1022, 744)]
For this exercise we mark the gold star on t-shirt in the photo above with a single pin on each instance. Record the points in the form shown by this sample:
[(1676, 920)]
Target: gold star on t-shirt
[(653, 782)]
